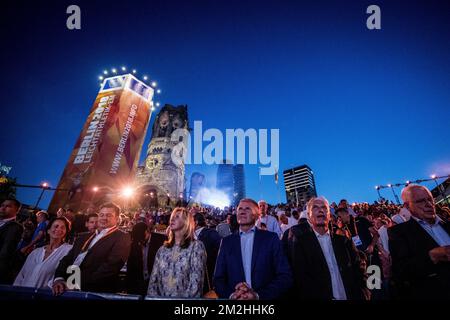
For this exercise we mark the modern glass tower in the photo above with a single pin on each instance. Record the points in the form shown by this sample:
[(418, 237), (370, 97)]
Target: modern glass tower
[(299, 184)]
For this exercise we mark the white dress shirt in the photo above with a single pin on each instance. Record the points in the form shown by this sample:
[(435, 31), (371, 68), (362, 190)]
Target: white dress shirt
[(384, 238), (247, 239), (436, 231), (4, 221), (100, 234), (271, 224), (328, 252), (37, 272), (197, 232)]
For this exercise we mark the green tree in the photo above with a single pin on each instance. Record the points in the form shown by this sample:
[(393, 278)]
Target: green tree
[(7, 187)]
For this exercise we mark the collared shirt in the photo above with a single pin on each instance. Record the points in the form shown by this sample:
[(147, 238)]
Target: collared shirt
[(99, 235), (223, 229), (384, 238), (247, 239), (271, 224), (5, 221), (336, 279), (435, 230), (197, 232)]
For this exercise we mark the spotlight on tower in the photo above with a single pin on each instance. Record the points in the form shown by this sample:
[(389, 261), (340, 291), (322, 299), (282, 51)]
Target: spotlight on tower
[(154, 84)]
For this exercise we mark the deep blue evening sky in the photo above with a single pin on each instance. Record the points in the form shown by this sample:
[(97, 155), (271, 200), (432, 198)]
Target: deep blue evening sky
[(359, 107)]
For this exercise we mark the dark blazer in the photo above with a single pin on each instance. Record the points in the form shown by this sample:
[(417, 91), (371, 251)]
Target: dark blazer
[(312, 277), (10, 235), (135, 264), (211, 240), (102, 264), (271, 275), (413, 272)]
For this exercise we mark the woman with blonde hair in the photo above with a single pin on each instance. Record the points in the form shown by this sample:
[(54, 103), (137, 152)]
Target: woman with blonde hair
[(179, 267)]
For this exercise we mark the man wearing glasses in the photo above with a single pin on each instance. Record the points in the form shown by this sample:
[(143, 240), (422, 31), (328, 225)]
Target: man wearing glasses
[(420, 249)]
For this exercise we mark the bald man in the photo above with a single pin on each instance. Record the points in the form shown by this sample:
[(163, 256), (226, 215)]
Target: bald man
[(420, 249), (269, 221)]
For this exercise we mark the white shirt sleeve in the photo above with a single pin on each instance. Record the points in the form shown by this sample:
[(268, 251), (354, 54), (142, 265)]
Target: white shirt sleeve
[(27, 267)]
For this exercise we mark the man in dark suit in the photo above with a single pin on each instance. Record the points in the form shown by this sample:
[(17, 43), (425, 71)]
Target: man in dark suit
[(211, 240), (100, 255), (251, 263), (420, 249), (324, 266), (10, 235), (144, 246)]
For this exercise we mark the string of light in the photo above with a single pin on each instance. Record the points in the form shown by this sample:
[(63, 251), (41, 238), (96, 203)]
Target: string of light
[(124, 70)]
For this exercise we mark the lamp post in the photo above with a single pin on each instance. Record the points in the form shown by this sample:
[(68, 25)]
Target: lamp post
[(378, 191), (181, 200), (44, 186), (434, 177), (94, 193), (393, 191), (127, 193)]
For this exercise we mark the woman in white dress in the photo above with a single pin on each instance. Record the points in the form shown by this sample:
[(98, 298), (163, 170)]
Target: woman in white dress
[(42, 262)]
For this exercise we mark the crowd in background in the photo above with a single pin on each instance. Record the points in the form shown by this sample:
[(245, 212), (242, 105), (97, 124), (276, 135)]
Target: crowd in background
[(252, 251)]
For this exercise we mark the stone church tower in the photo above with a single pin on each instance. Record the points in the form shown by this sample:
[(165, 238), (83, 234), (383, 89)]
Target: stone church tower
[(161, 182)]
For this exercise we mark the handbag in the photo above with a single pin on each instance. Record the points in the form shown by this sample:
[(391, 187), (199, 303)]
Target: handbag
[(211, 294)]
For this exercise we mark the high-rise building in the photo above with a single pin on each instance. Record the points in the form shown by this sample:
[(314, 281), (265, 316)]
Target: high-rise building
[(197, 182), (231, 180), (299, 184), (225, 178), (239, 183)]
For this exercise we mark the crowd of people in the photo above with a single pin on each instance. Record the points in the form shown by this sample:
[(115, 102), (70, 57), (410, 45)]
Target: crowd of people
[(320, 251)]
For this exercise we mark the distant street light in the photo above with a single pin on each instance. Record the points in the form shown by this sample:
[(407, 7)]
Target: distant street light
[(44, 186)]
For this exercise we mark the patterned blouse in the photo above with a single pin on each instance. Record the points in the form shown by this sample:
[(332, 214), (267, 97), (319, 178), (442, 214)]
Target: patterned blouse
[(178, 272)]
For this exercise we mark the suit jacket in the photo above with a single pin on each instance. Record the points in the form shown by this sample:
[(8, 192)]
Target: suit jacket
[(312, 277), (135, 264), (10, 235), (102, 264), (271, 275), (211, 240), (413, 272)]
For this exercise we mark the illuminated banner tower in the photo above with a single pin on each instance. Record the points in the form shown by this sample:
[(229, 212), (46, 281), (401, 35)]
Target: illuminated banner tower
[(106, 154)]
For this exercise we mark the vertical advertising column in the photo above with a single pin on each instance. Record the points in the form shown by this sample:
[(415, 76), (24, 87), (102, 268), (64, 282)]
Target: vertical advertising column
[(105, 156)]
